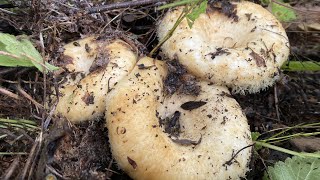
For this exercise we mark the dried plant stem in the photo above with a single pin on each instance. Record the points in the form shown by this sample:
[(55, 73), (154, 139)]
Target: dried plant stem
[(26, 95), (119, 5), (181, 17), (287, 151), (8, 93), (13, 166), (177, 3)]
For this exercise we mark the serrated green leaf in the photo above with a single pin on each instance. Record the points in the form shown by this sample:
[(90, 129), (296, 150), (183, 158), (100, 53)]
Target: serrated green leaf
[(19, 51), (296, 168), (195, 13), (283, 13), (301, 66)]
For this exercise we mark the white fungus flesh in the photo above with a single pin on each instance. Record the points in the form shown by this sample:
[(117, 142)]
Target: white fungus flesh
[(102, 63), (212, 129), (242, 48)]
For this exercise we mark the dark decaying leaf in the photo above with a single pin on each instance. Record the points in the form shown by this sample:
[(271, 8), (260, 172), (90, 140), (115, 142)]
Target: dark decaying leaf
[(132, 162), (259, 60), (190, 105), (186, 142), (88, 98)]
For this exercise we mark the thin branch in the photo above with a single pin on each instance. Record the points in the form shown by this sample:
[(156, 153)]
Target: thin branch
[(276, 101), (13, 166), (120, 5), (30, 159), (8, 93), (26, 95)]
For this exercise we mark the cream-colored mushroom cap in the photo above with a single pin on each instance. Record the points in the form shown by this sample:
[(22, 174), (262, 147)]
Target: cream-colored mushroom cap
[(212, 129), (103, 63), (243, 50)]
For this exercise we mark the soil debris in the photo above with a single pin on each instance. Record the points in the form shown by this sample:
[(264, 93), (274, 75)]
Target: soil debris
[(83, 152), (178, 80), (171, 124), (224, 7)]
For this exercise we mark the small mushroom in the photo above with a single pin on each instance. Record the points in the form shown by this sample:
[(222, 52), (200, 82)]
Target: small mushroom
[(209, 129), (239, 44), (103, 63)]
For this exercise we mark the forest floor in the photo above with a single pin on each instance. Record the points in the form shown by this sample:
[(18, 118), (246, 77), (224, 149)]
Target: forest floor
[(54, 148)]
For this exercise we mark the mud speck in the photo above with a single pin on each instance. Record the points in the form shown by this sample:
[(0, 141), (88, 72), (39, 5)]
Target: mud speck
[(178, 80)]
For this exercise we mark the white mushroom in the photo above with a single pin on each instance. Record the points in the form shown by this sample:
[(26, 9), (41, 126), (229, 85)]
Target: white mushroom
[(242, 48), (103, 63), (211, 125)]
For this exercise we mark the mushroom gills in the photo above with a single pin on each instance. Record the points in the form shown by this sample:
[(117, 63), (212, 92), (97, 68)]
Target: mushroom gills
[(208, 129)]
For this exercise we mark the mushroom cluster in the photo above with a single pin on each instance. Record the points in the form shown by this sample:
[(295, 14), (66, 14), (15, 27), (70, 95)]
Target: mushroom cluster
[(177, 119), (154, 135)]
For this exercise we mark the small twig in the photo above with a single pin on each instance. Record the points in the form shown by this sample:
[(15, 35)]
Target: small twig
[(54, 171), (174, 4), (49, 117), (8, 12), (103, 28), (11, 169), (7, 70), (26, 95), (120, 5), (8, 93), (276, 102), (262, 160), (236, 154), (34, 161), (13, 153), (30, 159), (169, 34)]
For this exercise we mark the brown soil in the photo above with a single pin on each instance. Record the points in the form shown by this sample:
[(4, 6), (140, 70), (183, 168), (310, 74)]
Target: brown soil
[(64, 151)]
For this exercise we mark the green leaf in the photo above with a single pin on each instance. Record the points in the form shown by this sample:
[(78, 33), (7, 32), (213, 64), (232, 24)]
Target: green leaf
[(255, 136), (265, 2), (195, 13), (296, 168), (19, 51), (301, 66), (283, 13)]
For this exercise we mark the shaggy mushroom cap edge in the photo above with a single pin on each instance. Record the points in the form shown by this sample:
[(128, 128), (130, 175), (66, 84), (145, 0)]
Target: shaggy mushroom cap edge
[(104, 65), (244, 51)]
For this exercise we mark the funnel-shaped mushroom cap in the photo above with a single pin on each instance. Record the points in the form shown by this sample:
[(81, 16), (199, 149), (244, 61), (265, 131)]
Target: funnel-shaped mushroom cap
[(212, 128), (103, 63), (242, 48)]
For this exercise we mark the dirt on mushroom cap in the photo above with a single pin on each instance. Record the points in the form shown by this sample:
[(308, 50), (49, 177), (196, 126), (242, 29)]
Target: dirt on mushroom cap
[(209, 136), (244, 53), (84, 99)]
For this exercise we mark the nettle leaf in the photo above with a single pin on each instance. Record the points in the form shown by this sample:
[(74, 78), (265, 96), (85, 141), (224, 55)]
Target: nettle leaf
[(295, 168), (283, 13), (19, 51), (301, 66), (195, 13)]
